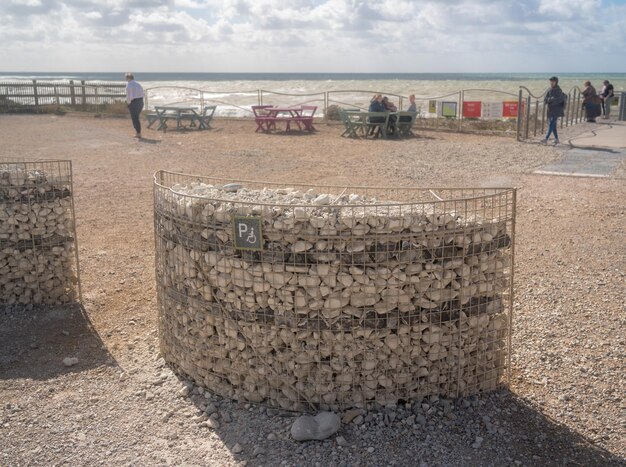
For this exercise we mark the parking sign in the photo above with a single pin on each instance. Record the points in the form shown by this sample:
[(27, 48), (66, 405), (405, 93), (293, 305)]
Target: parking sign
[(247, 233)]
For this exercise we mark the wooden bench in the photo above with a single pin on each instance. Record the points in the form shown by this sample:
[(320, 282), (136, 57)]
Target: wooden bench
[(203, 119), (262, 118), (403, 124), (306, 117), (151, 118)]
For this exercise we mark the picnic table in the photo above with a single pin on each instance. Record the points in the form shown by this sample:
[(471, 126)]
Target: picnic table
[(266, 117), (376, 124), (181, 114)]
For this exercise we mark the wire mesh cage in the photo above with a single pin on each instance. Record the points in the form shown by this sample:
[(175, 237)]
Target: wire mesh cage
[(327, 297), (38, 251)]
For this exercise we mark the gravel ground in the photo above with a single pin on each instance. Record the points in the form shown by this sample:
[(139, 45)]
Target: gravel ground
[(121, 405)]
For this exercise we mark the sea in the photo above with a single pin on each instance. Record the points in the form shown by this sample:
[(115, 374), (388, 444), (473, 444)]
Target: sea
[(234, 93)]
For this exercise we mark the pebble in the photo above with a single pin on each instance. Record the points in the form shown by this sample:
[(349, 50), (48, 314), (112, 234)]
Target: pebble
[(358, 420), (341, 441), (226, 417), (258, 451), (237, 449), (70, 361), (319, 427), (271, 437), (370, 449), (350, 415)]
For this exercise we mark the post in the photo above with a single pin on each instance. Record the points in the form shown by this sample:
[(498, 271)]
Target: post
[(326, 107), (536, 119), (72, 93), (526, 115), (519, 120), (259, 97), (82, 83), (35, 93), (461, 97)]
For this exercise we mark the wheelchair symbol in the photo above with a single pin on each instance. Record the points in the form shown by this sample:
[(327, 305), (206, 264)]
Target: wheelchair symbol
[(251, 237)]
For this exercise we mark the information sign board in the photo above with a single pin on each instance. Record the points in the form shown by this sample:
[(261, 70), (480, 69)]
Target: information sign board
[(448, 109), (472, 109)]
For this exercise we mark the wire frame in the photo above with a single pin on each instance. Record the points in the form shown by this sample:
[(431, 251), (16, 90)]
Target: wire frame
[(351, 300), (38, 247)]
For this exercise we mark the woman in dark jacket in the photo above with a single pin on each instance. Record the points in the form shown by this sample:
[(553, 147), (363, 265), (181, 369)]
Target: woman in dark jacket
[(591, 102), (555, 101)]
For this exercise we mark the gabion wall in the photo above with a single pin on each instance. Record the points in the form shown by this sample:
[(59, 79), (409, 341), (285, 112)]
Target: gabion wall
[(38, 256), (352, 301)]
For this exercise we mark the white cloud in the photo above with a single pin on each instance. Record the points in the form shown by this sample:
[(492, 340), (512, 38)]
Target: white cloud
[(312, 35)]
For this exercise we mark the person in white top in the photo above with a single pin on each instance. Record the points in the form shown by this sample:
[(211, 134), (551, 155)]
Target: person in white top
[(134, 99)]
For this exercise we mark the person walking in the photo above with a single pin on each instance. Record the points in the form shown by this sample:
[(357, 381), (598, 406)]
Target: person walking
[(134, 99), (555, 101), (607, 98)]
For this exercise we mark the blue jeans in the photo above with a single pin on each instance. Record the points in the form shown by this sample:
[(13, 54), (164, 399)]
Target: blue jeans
[(135, 108), (552, 128)]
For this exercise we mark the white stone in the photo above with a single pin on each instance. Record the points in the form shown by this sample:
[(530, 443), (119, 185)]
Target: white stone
[(319, 427)]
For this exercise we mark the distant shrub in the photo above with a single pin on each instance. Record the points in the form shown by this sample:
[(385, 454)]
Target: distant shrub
[(332, 112)]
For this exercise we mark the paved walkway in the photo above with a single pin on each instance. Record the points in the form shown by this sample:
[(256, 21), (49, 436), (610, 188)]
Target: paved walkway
[(596, 153)]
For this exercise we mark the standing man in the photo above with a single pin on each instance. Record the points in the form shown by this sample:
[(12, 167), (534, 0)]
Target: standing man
[(134, 99), (555, 101), (607, 98)]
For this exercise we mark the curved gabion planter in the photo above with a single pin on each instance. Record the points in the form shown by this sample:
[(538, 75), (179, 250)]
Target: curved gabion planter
[(38, 253), (327, 297)]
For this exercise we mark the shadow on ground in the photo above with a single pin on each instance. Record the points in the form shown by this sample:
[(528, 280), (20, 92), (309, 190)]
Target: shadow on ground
[(505, 422), (34, 342)]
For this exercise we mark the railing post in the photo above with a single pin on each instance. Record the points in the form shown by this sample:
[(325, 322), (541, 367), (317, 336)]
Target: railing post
[(519, 120), (83, 93), (461, 97), (72, 93), (35, 93), (259, 97), (536, 119), (567, 112), (543, 118), (326, 107), (526, 116)]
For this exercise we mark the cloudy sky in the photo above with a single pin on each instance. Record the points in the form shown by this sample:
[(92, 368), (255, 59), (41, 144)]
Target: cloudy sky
[(313, 35)]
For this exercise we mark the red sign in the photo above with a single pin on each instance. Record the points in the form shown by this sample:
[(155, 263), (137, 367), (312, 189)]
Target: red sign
[(509, 109), (471, 109)]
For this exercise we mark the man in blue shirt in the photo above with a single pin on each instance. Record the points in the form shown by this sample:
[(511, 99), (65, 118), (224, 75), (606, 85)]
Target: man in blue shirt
[(134, 99)]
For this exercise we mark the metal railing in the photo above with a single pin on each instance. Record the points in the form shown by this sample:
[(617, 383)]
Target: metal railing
[(444, 112), (534, 111), (25, 96)]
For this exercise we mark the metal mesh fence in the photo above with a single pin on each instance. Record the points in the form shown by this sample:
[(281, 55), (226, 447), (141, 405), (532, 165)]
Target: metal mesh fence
[(319, 297), (38, 251)]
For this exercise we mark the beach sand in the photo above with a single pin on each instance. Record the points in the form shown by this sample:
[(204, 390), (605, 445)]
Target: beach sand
[(565, 401)]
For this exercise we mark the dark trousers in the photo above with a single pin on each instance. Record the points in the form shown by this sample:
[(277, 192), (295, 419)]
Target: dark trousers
[(552, 128), (135, 107)]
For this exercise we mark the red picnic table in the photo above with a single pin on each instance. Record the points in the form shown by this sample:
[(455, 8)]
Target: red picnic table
[(266, 117)]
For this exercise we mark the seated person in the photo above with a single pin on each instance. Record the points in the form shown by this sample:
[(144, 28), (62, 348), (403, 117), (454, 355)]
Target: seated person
[(376, 105), (413, 106), (390, 107)]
